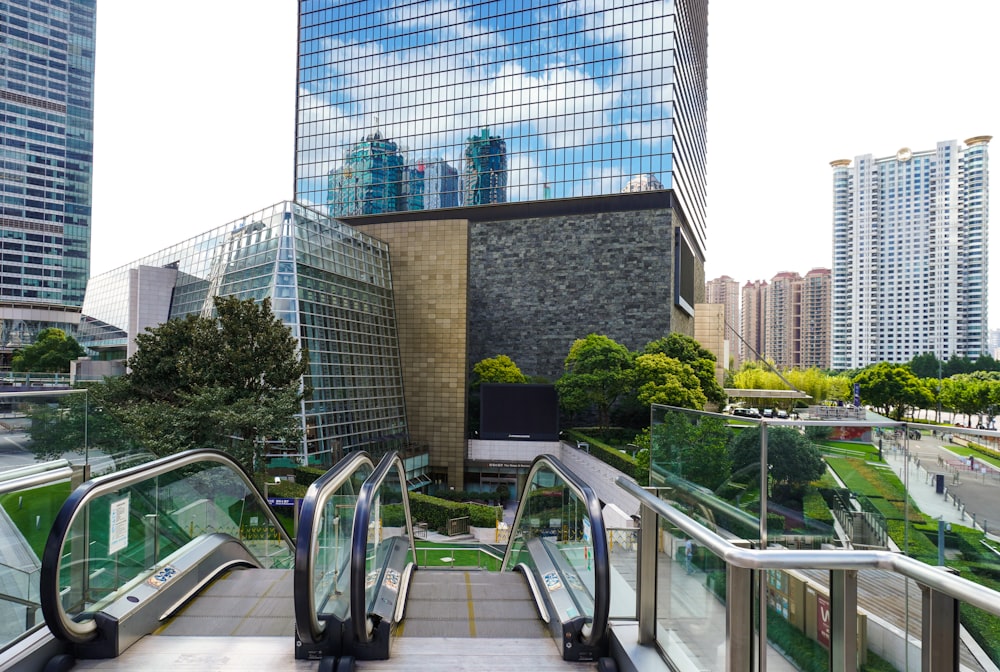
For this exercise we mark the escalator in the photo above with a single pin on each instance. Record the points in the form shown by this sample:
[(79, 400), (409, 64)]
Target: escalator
[(183, 548), (553, 583), (181, 560)]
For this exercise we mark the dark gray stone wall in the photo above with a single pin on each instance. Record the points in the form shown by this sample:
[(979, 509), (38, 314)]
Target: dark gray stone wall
[(538, 284)]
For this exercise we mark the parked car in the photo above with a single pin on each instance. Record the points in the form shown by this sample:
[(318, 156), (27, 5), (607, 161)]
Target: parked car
[(782, 415)]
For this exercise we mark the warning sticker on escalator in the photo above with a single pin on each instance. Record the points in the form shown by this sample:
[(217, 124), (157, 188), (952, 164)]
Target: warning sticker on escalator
[(391, 580), (552, 581), (161, 576)]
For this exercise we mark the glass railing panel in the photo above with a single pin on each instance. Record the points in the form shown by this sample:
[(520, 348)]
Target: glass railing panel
[(121, 535), (65, 424), (554, 537), (838, 477), (30, 498), (386, 521), (332, 563)]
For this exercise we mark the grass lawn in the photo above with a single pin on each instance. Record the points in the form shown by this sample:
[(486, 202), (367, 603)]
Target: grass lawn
[(866, 448), (880, 486), (430, 554), (966, 451), (38, 504)]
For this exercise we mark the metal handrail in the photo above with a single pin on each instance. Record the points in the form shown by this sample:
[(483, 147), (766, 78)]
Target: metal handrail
[(933, 577), (307, 537), (52, 609), (602, 562), (34, 476), (359, 538)]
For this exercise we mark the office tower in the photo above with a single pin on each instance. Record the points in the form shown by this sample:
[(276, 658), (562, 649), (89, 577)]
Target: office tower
[(371, 179), (995, 343), (329, 283), (485, 169), (910, 254), (754, 326), (549, 243), (46, 95), (726, 291)]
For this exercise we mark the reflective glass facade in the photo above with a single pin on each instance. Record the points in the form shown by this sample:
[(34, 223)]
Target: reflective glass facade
[(519, 100), (328, 282), (46, 126)]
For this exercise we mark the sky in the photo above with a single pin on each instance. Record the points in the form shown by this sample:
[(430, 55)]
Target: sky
[(194, 119)]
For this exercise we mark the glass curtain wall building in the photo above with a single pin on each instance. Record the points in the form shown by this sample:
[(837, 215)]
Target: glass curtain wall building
[(526, 100), (328, 282), (46, 114), (910, 254)]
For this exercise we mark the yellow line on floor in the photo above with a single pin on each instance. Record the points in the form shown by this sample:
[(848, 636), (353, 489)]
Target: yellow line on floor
[(472, 608)]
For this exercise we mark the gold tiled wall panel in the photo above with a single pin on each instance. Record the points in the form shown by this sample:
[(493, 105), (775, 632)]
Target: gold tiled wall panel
[(429, 262)]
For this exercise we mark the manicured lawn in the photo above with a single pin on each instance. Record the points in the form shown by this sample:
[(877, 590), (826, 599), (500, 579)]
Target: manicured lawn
[(430, 554), (33, 511)]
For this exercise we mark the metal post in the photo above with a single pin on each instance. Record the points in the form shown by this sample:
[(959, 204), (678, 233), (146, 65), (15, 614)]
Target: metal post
[(739, 620), (646, 582), (939, 631), (844, 620), (765, 475)]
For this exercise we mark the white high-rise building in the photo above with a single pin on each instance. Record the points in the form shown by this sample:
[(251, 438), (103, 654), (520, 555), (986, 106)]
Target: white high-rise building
[(910, 254)]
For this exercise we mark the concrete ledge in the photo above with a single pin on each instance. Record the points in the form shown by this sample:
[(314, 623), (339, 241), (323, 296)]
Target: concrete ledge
[(630, 655)]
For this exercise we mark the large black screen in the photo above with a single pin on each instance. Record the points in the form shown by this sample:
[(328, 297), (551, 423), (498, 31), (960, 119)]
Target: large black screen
[(518, 412)]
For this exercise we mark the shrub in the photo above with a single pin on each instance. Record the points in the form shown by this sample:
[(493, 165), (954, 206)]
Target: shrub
[(305, 476)]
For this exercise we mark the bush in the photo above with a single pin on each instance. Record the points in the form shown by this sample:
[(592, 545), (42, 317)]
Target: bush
[(305, 476)]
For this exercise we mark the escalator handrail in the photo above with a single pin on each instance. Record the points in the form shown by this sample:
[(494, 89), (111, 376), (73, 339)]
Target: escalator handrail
[(55, 616), (359, 538), (310, 516), (599, 537)]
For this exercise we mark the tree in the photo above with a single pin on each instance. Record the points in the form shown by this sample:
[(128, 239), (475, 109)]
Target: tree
[(660, 379), (702, 362), (597, 373), (231, 382), (926, 366), (792, 458), (892, 389), (51, 352), (499, 369), (695, 448)]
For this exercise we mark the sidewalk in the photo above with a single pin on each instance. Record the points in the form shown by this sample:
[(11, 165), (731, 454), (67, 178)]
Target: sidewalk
[(922, 490)]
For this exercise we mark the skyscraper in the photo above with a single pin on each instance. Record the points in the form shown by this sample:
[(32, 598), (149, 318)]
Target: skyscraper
[(583, 183), (910, 254), (754, 327), (726, 291), (46, 95)]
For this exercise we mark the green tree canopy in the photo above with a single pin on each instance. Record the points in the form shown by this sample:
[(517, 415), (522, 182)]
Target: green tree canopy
[(597, 372), (793, 459), (701, 361), (499, 369), (892, 389), (230, 382), (660, 379), (926, 366), (693, 448), (51, 352)]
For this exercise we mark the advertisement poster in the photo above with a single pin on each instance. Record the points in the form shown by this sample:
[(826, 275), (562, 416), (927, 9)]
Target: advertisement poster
[(823, 620)]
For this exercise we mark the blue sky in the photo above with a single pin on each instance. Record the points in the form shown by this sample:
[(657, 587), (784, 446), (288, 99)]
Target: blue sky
[(195, 119)]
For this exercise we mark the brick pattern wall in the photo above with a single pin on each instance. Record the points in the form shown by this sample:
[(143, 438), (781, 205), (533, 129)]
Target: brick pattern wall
[(536, 285), (429, 277)]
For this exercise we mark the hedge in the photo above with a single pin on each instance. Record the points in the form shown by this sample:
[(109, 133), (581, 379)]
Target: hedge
[(305, 476), (608, 454)]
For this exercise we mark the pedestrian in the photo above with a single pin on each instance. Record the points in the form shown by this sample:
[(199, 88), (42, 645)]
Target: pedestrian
[(688, 555)]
